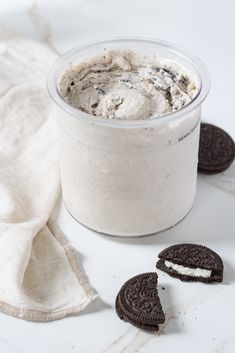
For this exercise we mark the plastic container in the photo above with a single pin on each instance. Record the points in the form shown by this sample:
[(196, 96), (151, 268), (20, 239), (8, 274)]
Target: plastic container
[(129, 178)]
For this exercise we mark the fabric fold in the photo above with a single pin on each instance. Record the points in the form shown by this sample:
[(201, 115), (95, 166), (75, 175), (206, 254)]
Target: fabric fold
[(40, 278)]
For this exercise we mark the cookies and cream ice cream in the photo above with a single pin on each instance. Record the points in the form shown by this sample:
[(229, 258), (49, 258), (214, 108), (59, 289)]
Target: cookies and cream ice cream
[(124, 85), (125, 171)]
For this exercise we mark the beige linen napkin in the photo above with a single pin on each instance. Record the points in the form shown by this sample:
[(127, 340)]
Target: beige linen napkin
[(39, 276)]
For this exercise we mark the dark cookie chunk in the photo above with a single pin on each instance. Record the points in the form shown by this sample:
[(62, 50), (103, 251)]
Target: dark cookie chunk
[(216, 149), (138, 302), (191, 262)]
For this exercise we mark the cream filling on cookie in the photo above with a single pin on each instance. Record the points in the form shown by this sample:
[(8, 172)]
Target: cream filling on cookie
[(195, 272)]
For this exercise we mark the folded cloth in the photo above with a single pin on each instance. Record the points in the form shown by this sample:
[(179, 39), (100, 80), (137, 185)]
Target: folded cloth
[(40, 278)]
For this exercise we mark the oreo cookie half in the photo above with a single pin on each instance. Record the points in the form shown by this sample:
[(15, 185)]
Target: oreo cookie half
[(191, 262), (216, 149), (138, 302)]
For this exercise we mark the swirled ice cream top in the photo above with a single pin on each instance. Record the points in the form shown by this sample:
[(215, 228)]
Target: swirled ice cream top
[(126, 85)]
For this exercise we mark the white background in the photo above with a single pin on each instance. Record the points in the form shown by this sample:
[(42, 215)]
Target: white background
[(200, 318)]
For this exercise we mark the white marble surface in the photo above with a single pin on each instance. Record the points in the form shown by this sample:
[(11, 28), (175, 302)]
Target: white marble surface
[(199, 318)]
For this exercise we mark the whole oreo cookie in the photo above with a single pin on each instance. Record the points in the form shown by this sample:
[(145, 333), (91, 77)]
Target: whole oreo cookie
[(216, 149), (138, 302), (191, 262)]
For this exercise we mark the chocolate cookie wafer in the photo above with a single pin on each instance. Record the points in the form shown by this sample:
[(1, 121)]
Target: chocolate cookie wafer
[(138, 302), (216, 149), (191, 262)]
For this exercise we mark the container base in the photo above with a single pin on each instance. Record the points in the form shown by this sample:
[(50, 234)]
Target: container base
[(130, 236)]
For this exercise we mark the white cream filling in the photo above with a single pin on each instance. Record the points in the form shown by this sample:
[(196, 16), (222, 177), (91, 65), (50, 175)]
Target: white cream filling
[(195, 272)]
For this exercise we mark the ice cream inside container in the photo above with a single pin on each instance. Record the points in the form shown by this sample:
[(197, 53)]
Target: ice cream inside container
[(126, 169)]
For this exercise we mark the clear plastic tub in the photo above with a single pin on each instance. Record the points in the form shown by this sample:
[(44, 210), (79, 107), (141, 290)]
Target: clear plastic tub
[(129, 178)]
